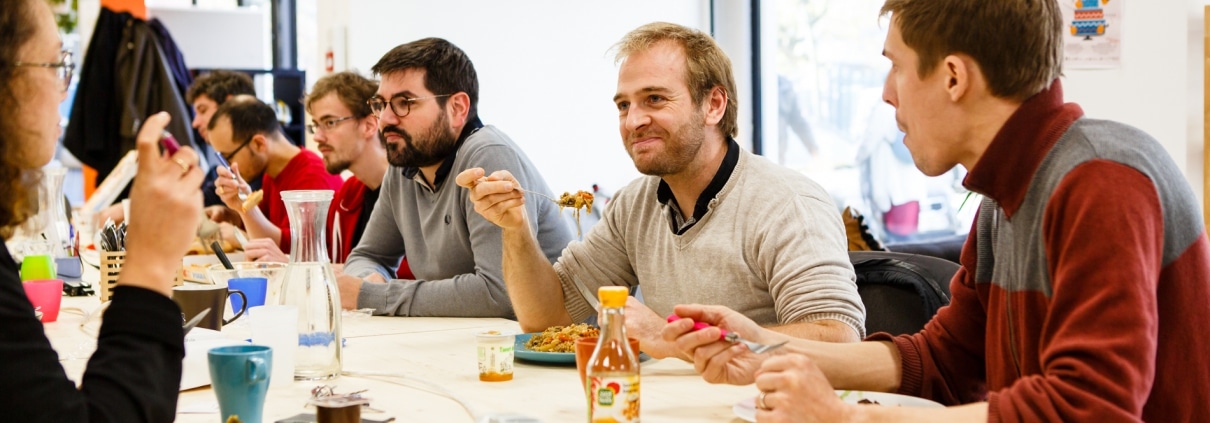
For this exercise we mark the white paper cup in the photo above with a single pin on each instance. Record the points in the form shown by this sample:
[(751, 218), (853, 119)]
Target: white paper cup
[(277, 327)]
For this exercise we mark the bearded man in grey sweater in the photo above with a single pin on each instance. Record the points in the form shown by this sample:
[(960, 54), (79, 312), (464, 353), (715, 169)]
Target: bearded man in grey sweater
[(428, 119), (710, 223)]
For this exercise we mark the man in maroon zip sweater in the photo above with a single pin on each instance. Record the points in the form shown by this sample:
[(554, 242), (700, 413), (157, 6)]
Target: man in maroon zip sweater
[(1084, 282)]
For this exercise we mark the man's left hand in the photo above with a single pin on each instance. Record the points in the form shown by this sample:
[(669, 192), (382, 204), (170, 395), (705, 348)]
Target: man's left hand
[(264, 249), (793, 389), (643, 323), (350, 287)]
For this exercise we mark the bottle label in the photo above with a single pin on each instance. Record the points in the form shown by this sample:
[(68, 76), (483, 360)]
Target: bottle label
[(614, 399)]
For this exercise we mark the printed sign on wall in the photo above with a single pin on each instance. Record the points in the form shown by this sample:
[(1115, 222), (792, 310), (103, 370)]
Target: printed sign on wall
[(1092, 33)]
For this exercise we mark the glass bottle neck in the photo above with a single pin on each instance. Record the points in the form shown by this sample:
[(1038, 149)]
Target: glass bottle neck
[(613, 323), (308, 224)]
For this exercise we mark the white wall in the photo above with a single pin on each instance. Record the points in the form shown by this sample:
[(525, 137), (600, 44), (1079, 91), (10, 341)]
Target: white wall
[(1158, 87), (1150, 90), (546, 76), (1195, 102)]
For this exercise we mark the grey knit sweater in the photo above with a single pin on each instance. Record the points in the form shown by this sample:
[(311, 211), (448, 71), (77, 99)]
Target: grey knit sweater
[(771, 246)]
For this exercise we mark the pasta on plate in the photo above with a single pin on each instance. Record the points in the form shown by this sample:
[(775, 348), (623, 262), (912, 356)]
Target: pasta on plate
[(561, 339)]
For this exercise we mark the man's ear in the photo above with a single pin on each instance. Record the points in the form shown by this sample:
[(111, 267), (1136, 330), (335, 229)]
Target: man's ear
[(259, 143), (959, 71), (459, 106), (715, 106), (369, 126)]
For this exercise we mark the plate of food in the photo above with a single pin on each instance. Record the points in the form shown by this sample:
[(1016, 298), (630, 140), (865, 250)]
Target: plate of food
[(556, 344), (746, 409)]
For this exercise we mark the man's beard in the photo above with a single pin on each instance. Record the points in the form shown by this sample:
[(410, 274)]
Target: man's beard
[(680, 148), (336, 165), (436, 143)]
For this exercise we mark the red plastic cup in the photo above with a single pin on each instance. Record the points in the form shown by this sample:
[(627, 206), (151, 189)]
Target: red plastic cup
[(47, 294)]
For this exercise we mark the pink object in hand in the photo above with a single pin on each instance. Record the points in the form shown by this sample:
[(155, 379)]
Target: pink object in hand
[(699, 326), (169, 143)]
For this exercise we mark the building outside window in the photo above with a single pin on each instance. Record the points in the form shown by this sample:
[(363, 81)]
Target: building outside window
[(834, 127)]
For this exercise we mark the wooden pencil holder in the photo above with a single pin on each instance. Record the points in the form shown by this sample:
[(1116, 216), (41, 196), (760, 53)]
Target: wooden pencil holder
[(111, 267)]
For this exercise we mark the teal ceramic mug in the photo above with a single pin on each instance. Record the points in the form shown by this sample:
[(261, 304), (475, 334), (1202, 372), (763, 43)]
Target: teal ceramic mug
[(239, 376)]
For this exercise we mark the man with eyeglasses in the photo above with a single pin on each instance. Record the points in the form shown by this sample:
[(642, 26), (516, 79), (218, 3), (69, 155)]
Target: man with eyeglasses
[(205, 95), (427, 108), (347, 133), (208, 91), (246, 133)]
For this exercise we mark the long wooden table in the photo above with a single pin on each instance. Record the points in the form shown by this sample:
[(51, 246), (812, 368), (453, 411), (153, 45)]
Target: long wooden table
[(424, 370)]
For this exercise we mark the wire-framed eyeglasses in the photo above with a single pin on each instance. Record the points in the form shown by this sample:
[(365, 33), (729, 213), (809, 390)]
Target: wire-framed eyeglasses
[(326, 124), (400, 106), (65, 67)]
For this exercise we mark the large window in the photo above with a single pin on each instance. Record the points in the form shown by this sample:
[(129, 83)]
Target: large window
[(834, 126)]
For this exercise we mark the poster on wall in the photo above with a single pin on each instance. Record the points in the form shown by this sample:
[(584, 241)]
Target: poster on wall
[(1092, 31)]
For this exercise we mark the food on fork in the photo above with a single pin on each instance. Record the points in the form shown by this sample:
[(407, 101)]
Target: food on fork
[(561, 339), (581, 199), (253, 200)]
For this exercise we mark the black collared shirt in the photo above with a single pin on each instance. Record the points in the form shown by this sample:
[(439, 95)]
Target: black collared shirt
[(678, 223), (447, 165)]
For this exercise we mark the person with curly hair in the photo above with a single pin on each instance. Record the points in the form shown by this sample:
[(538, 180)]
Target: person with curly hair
[(135, 373)]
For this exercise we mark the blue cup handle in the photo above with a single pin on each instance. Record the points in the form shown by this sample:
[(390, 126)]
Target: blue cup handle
[(257, 370)]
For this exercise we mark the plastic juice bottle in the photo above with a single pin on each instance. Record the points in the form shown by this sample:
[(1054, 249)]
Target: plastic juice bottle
[(613, 371)]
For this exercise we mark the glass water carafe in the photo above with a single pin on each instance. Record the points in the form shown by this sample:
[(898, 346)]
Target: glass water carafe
[(311, 286)]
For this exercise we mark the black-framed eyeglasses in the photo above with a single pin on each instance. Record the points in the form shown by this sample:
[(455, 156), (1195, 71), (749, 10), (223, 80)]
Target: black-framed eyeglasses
[(65, 67), (400, 106), (229, 156), (326, 125)]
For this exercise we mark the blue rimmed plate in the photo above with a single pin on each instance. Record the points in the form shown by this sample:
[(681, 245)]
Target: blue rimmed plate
[(522, 352)]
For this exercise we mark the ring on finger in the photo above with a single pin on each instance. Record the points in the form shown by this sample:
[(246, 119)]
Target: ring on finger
[(185, 166), (760, 401)]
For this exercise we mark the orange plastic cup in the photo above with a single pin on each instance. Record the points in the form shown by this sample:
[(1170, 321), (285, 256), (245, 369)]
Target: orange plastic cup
[(584, 349)]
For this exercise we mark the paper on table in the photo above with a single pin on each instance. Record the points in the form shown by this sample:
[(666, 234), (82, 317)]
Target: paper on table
[(195, 368)]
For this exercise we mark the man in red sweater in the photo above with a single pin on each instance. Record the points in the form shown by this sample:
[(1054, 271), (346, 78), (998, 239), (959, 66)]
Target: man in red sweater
[(1085, 281), (246, 133), (347, 134)]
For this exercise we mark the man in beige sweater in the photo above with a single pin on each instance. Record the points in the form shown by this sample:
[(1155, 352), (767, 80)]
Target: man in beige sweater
[(710, 224)]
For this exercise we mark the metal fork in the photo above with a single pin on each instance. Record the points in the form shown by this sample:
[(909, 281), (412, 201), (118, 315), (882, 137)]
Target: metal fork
[(235, 177), (733, 337)]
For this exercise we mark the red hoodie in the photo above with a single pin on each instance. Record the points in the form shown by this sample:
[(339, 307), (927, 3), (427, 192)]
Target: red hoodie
[(349, 202)]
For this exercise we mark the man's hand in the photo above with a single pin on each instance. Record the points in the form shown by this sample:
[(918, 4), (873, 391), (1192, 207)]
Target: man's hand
[(350, 287), (643, 323), (113, 212), (228, 187), (716, 360), (497, 197), (264, 249), (222, 214), (795, 390)]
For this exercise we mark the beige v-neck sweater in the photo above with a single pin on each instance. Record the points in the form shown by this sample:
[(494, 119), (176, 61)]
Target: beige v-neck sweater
[(771, 246)]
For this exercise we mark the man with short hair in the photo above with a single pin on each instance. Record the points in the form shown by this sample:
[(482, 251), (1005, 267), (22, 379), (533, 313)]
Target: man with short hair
[(209, 91), (710, 223), (346, 131), (427, 107), (1085, 280), (246, 132)]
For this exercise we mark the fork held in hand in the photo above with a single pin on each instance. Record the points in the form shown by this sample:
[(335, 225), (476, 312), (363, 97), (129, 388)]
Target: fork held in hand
[(732, 337)]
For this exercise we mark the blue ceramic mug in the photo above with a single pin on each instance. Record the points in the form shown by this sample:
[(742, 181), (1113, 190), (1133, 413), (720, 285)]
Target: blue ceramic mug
[(239, 376), (253, 289)]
